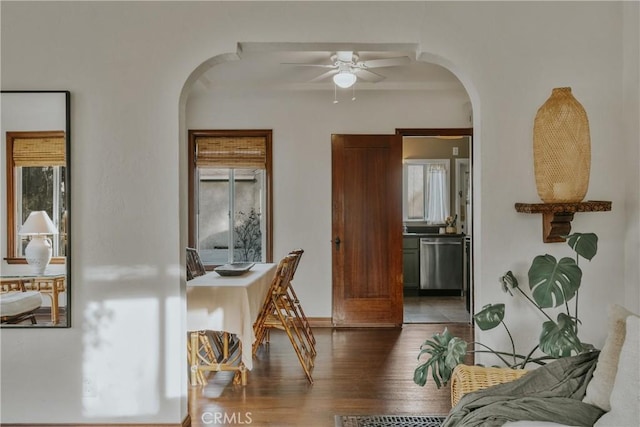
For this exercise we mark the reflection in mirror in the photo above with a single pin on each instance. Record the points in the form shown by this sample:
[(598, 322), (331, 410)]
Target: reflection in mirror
[(35, 286)]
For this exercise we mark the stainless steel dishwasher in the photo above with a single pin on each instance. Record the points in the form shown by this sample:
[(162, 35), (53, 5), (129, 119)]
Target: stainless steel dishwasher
[(441, 264)]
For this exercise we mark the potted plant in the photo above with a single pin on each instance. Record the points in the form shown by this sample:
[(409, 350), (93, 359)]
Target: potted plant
[(450, 224), (552, 283)]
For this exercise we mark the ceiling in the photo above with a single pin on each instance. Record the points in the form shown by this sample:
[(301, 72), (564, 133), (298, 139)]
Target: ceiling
[(260, 69)]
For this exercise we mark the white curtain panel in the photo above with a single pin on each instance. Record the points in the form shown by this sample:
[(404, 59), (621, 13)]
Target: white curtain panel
[(437, 194)]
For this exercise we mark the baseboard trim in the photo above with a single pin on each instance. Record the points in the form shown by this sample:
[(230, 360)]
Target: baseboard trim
[(185, 423), (320, 322), (327, 322), (368, 325)]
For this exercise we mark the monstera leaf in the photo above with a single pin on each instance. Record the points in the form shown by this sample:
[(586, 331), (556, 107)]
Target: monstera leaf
[(552, 283), (456, 351), (560, 339), (490, 316), (446, 352), (508, 281), (585, 245)]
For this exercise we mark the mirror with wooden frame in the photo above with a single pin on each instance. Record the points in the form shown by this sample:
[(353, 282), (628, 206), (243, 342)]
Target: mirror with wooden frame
[(35, 283)]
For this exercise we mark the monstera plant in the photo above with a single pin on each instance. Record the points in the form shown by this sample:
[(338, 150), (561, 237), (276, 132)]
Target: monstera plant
[(552, 283)]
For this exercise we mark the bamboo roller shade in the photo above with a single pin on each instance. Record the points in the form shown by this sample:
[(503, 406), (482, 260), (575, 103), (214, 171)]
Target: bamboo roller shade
[(232, 152), (39, 152)]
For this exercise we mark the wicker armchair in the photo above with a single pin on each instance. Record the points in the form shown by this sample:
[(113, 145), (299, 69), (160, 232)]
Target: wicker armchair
[(466, 379)]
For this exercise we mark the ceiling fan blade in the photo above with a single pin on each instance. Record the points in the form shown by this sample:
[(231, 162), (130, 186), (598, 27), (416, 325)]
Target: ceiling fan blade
[(385, 62), (369, 76), (323, 76), (308, 65)]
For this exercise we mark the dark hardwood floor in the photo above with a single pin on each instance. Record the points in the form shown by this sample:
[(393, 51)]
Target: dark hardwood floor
[(357, 371)]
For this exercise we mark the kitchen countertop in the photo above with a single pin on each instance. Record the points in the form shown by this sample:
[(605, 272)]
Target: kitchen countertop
[(432, 235)]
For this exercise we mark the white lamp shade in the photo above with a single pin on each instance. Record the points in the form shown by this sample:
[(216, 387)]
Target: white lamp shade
[(344, 79), (37, 223)]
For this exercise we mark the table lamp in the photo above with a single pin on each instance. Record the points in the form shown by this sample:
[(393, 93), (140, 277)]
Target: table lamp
[(38, 252)]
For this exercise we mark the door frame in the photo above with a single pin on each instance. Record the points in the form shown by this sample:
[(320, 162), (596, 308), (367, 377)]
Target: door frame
[(455, 132), (459, 186)]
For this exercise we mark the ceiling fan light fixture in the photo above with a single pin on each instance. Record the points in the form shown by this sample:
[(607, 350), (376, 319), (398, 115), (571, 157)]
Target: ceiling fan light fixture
[(344, 79)]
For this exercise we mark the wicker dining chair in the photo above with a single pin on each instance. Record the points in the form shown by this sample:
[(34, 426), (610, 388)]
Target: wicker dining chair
[(260, 327), (213, 347), (195, 267), (296, 306), (302, 320), (280, 311)]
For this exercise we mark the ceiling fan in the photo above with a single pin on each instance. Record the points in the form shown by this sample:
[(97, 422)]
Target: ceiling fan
[(346, 68)]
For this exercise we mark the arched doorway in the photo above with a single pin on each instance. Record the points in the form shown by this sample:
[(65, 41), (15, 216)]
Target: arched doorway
[(254, 88)]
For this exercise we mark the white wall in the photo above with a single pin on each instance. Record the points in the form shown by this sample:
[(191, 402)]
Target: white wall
[(125, 65), (631, 133)]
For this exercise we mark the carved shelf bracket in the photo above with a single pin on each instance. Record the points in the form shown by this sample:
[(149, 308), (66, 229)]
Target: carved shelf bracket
[(557, 217)]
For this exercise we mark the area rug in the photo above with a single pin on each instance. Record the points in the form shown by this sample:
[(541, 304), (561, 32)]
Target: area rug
[(388, 421)]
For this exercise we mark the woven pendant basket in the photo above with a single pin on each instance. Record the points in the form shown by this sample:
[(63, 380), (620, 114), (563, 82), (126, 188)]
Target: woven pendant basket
[(561, 149)]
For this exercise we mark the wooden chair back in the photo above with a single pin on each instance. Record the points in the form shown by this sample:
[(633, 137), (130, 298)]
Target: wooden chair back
[(195, 267), (297, 253)]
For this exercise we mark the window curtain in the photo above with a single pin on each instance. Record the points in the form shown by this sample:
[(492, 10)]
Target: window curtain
[(33, 151), (231, 152), (437, 194)]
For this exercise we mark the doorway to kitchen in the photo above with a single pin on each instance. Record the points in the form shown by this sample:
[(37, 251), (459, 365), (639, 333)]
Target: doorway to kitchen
[(437, 225)]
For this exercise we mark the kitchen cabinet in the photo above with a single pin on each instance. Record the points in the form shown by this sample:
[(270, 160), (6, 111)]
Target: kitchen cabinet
[(411, 264)]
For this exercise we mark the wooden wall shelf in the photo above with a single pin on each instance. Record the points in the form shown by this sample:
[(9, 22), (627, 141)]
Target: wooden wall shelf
[(557, 217)]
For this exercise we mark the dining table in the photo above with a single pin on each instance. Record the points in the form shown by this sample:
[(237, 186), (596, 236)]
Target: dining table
[(230, 305)]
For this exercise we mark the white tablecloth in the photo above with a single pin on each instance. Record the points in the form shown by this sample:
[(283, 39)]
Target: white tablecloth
[(229, 304)]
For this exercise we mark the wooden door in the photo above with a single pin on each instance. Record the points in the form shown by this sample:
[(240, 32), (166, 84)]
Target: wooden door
[(367, 230)]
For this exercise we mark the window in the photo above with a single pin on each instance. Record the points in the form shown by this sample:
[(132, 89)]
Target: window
[(230, 200), (36, 163), (426, 190)]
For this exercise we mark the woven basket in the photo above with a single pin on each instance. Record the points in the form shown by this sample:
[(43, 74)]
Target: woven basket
[(466, 379), (561, 149)]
